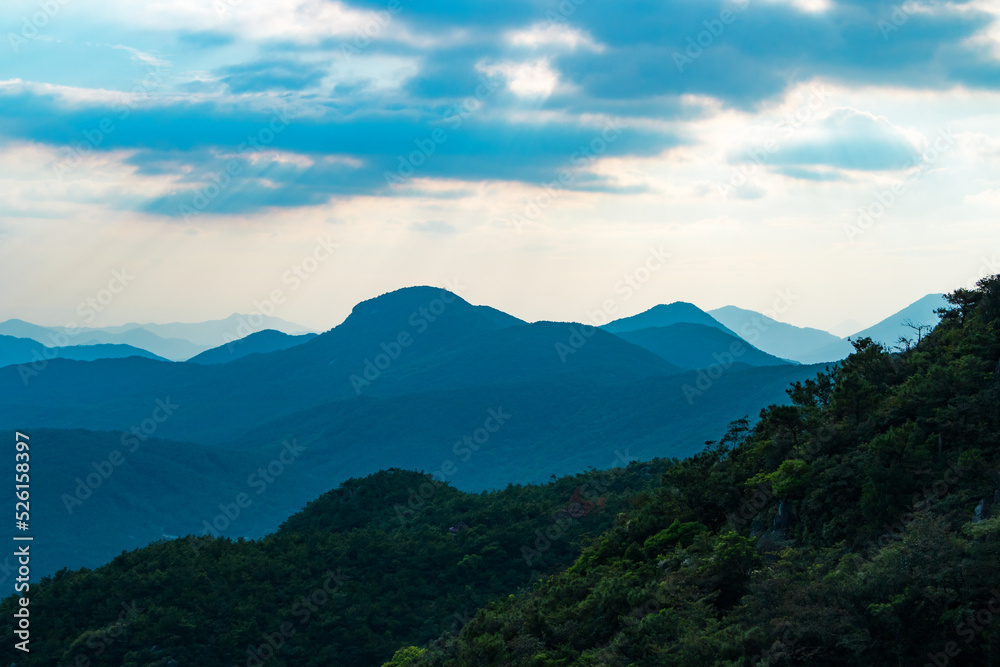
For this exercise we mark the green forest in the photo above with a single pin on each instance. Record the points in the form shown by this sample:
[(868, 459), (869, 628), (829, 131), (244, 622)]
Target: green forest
[(857, 525), (395, 558)]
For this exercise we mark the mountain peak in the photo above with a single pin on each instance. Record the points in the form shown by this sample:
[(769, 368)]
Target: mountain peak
[(665, 315), (416, 296)]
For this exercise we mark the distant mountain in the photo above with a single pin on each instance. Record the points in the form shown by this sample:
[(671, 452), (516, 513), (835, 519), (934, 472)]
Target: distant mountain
[(394, 575), (18, 350), (803, 344), (174, 349), (889, 330), (27, 351), (417, 378), (664, 315), (176, 341), (95, 494), (21, 329), (104, 351), (261, 342), (699, 346), (213, 333), (776, 545)]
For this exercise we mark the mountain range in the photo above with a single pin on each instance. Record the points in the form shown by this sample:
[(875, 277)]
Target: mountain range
[(177, 341), (855, 523), (268, 340), (417, 378), (27, 351), (239, 335)]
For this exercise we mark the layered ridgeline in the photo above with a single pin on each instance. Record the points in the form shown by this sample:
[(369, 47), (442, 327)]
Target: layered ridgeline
[(859, 525), (176, 341), (417, 379), (813, 346), (393, 559), (261, 342), (14, 350)]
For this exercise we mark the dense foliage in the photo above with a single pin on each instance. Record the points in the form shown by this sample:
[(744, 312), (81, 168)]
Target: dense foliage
[(858, 526), (381, 562)]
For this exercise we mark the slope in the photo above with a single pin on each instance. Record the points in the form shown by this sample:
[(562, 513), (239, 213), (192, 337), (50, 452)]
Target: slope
[(28, 351), (362, 570), (174, 349), (857, 526), (213, 333), (699, 346), (665, 315), (891, 329), (261, 342), (803, 344)]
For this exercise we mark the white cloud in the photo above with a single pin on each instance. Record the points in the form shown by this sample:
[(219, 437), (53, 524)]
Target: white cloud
[(303, 21), (556, 35), (808, 6), (526, 79), (66, 93), (143, 57)]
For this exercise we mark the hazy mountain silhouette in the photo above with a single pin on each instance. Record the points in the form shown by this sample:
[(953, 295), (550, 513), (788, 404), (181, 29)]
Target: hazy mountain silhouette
[(176, 341), (86, 509), (408, 379), (27, 351), (268, 340), (699, 346), (665, 315), (213, 333), (802, 344), (168, 348), (889, 330)]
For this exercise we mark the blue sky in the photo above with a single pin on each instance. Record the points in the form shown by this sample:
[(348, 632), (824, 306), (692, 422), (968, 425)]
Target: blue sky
[(529, 153)]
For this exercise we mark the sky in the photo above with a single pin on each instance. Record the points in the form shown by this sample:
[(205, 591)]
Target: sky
[(181, 160)]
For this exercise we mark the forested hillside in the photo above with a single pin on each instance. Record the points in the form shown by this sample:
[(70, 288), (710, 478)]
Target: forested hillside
[(378, 563), (858, 526)]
